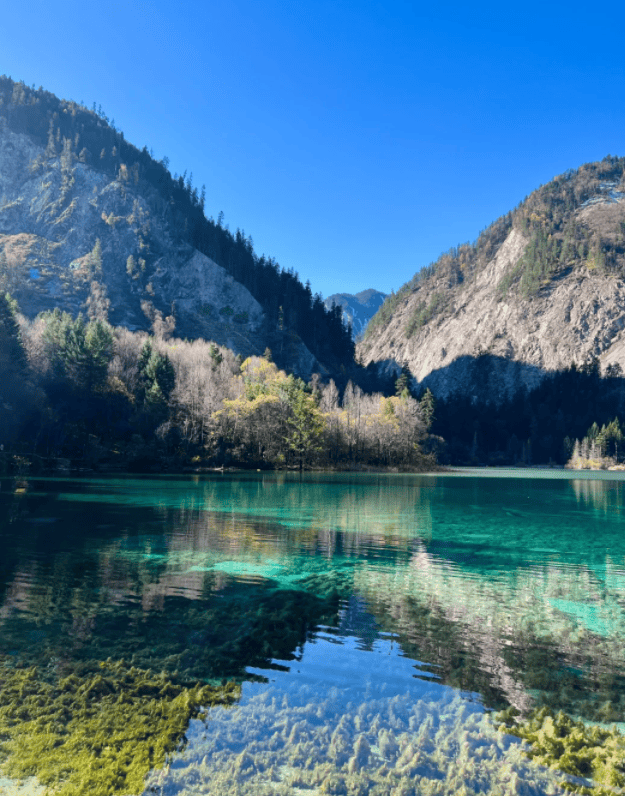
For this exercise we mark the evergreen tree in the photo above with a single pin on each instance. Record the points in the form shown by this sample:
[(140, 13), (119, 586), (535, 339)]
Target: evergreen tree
[(401, 386), (216, 356), (428, 408), (143, 379), (12, 354), (160, 370), (305, 422), (78, 351), (154, 369), (99, 350), (16, 393), (95, 260)]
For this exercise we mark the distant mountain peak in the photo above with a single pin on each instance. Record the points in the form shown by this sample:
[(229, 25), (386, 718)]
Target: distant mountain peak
[(358, 309)]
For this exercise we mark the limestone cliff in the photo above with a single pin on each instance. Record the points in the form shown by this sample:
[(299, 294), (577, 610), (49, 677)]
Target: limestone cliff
[(73, 237), (542, 288)]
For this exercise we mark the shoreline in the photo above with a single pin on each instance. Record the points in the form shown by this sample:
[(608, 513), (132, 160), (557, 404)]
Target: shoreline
[(14, 464)]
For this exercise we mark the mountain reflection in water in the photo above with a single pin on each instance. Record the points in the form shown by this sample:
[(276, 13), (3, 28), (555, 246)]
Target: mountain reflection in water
[(507, 588)]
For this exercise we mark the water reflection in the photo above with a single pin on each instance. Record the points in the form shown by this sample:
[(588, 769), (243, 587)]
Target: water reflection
[(511, 588), (603, 495), (345, 720)]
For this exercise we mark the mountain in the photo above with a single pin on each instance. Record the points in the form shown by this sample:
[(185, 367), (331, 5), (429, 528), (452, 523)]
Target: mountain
[(91, 224), (541, 288), (357, 309)]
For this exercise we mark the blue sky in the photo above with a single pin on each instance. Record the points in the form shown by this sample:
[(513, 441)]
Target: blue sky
[(354, 141)]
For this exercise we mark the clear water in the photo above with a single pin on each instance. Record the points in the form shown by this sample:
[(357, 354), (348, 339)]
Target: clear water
[(329, 596)]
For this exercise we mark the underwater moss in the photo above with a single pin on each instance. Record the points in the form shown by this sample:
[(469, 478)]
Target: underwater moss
[(81, 726), (589, 752), (332, 585), (96, 732), (350, 738)]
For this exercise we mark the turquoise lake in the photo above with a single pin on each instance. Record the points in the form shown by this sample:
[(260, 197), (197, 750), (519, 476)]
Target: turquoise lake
[(374, 621)]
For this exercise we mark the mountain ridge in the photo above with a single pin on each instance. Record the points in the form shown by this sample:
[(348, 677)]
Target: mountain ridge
[(544, 286), (105, 228)]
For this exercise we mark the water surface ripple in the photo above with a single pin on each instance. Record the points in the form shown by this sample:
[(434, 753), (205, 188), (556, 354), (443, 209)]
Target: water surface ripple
[(380, 604)]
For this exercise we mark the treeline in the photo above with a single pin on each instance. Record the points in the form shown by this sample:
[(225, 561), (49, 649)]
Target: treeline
[(104, 397), (74, 132), (600, 448), (558, 238), (539, 426)]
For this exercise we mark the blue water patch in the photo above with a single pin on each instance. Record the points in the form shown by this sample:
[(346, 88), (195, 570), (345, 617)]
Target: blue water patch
[(588, 616), (34, 273), (340, 715)]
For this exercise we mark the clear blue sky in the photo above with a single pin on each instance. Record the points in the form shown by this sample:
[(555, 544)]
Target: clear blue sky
[(354, 141)]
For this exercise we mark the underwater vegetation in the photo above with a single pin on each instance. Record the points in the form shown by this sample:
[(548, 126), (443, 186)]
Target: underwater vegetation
[(363, 739), (110, 635), (82, 708), (595, 756), (96, 733)]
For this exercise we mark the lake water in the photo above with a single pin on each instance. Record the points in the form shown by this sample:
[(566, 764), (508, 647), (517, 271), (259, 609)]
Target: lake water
[(373, 621)]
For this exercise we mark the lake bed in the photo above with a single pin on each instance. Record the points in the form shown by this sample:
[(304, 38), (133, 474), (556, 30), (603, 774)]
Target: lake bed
[(371, 622)]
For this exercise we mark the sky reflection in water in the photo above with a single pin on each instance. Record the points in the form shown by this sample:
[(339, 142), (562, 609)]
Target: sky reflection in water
[(508, 588)]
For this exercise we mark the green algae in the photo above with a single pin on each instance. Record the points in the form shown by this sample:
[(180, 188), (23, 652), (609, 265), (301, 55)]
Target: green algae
[(80, 726), (96, 731), (331, 585), (594, 756)]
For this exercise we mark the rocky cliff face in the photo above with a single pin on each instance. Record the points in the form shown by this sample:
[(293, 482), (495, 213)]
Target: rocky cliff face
[(358, 309), (504, 312), (72, 237)]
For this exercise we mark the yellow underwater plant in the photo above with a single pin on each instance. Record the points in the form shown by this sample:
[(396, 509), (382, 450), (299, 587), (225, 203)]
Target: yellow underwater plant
[(96, 732), (594, 755)]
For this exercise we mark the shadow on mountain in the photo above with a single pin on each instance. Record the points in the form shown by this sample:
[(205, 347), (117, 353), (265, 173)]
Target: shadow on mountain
[(484, 378)]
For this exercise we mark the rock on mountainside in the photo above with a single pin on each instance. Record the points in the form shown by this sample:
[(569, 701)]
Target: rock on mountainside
[(357, 309), (542, 288), (73, 237)]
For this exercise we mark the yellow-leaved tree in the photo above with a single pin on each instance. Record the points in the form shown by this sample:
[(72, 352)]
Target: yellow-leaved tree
[(273, 418)]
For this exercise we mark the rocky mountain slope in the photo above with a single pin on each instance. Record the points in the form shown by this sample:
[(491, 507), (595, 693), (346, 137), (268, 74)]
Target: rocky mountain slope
[(67, 231), (541, 288), (91, 224), (358, 309)]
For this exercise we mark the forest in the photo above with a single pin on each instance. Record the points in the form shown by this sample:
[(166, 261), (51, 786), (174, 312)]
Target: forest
[(572, 417), (105, 397), (92, 396)]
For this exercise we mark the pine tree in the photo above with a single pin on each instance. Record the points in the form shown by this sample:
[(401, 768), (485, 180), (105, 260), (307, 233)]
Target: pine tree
[(99, 350), (96, 258), (12, 356), (161, 372), (401, 386), (305, 422), (143, 379), (215, 355), (78, 351), (428, 408)]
